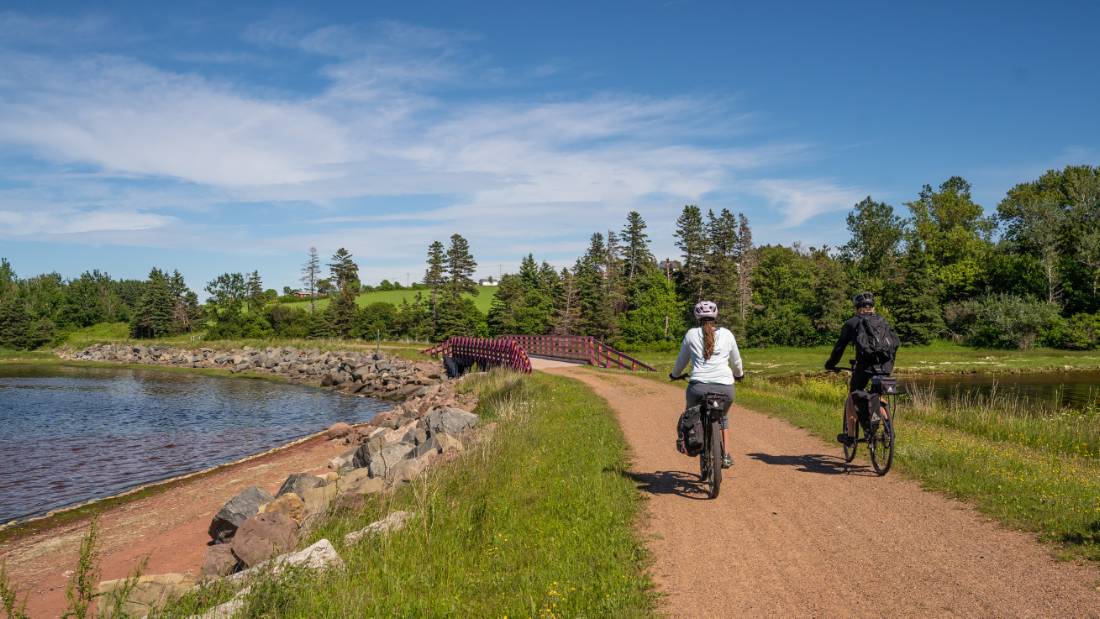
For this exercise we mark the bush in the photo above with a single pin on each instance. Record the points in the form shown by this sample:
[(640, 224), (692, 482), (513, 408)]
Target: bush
[(1002, 321), (1079, 332)]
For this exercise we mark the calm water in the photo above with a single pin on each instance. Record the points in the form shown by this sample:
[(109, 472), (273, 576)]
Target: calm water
[(72, 434), (1058, 389)]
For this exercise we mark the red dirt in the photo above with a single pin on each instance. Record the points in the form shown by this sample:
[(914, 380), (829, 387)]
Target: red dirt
[(168, 527), (794, 535)]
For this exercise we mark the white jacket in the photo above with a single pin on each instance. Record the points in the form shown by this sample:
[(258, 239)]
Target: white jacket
[(715, 370)]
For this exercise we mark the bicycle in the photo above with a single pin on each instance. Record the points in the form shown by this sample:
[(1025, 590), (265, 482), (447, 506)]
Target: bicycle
[(880, 441), (710, 459)]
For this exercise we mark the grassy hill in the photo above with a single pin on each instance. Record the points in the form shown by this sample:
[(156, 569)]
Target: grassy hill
[(483, 299)]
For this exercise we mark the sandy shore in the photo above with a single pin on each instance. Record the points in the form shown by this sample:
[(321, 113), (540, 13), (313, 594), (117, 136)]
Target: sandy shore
[(168, 527)]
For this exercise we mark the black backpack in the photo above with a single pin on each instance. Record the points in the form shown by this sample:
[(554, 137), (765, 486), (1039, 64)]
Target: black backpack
[(876, 342), (689, 432)]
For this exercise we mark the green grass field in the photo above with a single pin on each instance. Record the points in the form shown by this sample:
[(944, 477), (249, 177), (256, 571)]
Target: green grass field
[(936, 358), (1036, 470), (483, 299), (527, 525)]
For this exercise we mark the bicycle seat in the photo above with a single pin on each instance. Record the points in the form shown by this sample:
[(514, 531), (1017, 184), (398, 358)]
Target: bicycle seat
[(716, 401)]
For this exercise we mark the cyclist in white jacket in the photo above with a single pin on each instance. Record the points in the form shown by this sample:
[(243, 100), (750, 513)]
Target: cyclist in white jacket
[(712, 350)]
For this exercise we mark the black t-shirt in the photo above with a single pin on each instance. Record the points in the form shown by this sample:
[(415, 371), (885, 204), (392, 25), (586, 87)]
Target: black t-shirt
[(848, 336)]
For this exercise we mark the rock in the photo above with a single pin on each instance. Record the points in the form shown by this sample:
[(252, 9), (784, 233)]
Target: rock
[(264, 536), (380, 460), (447, 443), (298, 482), (448, 420), (320, 555), (317, 501), (345, 461), (338, 430), (363, 486), (288, 504), (407, 470), (220, 561), (395, 521), (236, 511), (148, 593)]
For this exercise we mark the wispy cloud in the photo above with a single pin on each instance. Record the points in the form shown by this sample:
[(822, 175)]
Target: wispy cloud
[(801, 200), (382, 124)]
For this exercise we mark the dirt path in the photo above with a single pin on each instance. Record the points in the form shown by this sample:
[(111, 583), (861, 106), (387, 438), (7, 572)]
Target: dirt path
[(169, 527), (791, 535)]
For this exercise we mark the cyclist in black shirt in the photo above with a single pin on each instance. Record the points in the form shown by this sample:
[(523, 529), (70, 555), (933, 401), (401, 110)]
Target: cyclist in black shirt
[(865, 367)]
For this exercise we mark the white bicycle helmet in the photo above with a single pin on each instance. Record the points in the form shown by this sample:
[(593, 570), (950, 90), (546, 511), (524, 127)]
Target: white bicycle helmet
[(706, 309)]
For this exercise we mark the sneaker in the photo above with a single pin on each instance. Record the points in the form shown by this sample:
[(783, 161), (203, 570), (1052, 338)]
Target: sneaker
[(844, 439), (727, 461)]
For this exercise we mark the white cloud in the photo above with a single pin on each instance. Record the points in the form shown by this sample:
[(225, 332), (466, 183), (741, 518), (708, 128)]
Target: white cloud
[(801, 200), (518, 170)]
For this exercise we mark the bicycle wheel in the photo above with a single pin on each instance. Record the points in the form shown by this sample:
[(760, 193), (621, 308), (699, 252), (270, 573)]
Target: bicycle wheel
[(849, 450), (881, 444), (715, 453)]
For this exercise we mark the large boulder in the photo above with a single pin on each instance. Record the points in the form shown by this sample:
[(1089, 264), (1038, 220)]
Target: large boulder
[(220, 561), (338, 430), (236, 511), (264, 536), (317, 501), (298, 482), (379, 459), (448, 420), (289, 504), (148, 593)]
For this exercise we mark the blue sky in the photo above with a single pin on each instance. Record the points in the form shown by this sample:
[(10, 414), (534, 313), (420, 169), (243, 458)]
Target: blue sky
[(214, 138)]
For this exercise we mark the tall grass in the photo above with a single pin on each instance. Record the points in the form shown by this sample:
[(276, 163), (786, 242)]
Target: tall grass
[(537, 520), (1036, 469)]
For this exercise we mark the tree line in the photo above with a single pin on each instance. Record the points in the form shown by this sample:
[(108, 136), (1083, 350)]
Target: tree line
[(1027, 274)]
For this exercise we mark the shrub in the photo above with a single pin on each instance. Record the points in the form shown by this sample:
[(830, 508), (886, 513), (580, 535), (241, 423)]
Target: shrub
[(1003, 321), (1079, 332)]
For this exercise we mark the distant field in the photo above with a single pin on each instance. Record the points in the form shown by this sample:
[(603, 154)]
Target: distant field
[(483, 299)]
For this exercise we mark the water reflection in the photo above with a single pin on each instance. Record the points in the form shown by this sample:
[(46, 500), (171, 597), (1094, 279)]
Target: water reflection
[(72, 434), (1054, 389)]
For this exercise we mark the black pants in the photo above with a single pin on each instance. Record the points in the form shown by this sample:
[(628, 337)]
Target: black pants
[(697, 391)]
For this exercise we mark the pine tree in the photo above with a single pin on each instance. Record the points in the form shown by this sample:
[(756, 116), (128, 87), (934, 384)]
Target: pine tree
[(14, 321), (344, 272), (567, 306), (311, 273), (255, 292), (721, 271), (435, 277), (692, 243), (636, 255), (186, 310), (746, 264), (154, 316), (460, 267), (916, 308), (596, 313)]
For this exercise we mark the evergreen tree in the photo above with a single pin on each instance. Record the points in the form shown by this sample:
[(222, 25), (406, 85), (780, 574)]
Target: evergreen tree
[(15, 322), (915, 307), (691, 240), (343, 272), (185, 310), (255, 293), (311, 274), (460, 267), (567, 306), (637, 258), (746, 265), (342, 313), (721, 265), (435, 276), (154, 316), (596, 313)]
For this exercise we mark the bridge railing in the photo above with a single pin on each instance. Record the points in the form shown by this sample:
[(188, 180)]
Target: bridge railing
[(578, 348), (486, 353)]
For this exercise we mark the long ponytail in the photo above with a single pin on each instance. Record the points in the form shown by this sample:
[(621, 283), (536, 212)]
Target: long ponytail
[(708, 338)]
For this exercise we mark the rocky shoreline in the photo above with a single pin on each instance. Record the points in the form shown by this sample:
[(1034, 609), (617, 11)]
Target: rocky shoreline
[(255, 528), (373, 375)]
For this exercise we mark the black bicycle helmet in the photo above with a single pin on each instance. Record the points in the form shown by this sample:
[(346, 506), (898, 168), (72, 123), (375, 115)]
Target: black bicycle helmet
[(864, 299)]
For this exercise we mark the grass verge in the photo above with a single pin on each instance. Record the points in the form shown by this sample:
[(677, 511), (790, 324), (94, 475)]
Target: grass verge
[(1036, 472), (536, 521)]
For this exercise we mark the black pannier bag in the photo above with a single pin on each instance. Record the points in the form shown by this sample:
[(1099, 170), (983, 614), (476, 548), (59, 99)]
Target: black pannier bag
[(885, 385), (689, 432), (864, 402)]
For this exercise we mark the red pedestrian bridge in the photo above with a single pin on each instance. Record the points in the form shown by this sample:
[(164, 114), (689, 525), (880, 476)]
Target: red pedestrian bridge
[(515, 351)]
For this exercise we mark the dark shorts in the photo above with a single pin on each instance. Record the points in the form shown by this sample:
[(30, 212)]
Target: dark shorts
[(696, 392)]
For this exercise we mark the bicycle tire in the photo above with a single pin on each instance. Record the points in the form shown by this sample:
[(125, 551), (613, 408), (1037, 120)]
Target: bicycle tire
[(881, 445), (849, 450), (715, 449)]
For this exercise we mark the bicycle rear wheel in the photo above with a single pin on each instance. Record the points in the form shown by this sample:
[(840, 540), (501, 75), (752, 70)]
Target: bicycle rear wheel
[(881, 444), (715, 453), (849, 450)]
